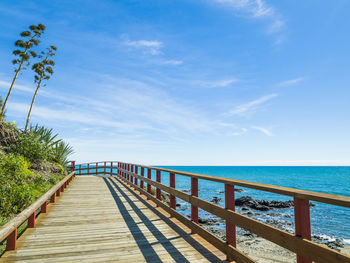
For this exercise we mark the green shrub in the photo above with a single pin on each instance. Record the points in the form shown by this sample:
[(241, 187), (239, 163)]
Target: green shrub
[(29, 146), (15, 192), (19, 187)]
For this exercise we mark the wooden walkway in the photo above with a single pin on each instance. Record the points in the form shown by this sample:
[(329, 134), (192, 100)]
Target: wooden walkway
[(98, 219)]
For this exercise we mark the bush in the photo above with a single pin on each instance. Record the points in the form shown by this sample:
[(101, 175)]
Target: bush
[(19, 187), (29, 146), (15, 192)]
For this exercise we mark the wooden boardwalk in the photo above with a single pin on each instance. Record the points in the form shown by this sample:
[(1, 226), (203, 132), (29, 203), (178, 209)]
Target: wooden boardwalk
[(98, 219)]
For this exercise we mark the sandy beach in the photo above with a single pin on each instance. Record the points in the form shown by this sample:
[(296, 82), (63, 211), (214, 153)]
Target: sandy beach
[(264, 251)]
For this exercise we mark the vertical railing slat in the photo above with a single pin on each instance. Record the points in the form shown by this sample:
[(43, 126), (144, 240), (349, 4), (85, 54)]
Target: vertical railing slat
[(302, 223), (172, 197), (11, 241), (136, 172), (149, 176), (194, 192), (159, 196), (230, 205), (142, 174)]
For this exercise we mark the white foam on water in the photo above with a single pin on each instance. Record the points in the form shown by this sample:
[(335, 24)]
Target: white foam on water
[(347, 241)]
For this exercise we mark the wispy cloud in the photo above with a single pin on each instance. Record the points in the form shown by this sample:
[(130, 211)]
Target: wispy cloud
[(290, 82), (218, 83), (133, 107), (172, 62), (251, 106), (6, 85), (264, 130), (256, 8), (148, 46), (259, 9)]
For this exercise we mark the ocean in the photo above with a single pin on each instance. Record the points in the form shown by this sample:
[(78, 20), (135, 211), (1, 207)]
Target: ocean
[(327, 221)]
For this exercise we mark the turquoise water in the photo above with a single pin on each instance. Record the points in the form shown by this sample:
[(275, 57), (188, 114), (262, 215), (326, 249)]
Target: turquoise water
[(328, 221)]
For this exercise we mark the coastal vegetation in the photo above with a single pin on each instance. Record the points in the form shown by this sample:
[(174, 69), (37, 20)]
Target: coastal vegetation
[(34, 159)]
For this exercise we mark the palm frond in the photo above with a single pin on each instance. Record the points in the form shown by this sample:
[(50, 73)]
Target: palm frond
[(62, 151)]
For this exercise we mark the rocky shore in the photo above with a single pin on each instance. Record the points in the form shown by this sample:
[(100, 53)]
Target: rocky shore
[(273, 210)]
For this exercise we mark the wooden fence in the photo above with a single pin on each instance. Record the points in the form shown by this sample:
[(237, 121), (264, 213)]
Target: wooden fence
[(138, 176), (9, 233)]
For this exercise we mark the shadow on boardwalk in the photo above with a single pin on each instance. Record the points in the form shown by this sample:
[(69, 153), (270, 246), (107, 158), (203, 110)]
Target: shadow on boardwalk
[(144, 245)]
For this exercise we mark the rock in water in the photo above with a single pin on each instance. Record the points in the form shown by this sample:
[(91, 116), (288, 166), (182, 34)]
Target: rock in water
[(263, 205)]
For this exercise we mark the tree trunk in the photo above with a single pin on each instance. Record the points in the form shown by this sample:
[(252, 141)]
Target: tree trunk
[(10, 90), (31, 105)]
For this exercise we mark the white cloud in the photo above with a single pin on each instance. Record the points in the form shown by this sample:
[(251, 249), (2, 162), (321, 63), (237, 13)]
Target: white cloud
[(6, 85), (290, 82), (172, 62), (251, 106), (133, 107), (218, 83), (258, 9), (265, 131), (149, 46)]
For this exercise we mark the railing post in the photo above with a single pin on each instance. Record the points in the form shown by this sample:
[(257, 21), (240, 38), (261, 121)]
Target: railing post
[(302, 223), (44, 207), (142, 174), (111, 169), (230, 205), (11, 241), (136, 170), (96, 169), (149, 176), (80, 172), (72, 168), (159, 196), (131, 170), (128, 169), (58, 192), (105, 168), (172, 197), (88, 169), (52, 198), (31, 220), (194, 192)]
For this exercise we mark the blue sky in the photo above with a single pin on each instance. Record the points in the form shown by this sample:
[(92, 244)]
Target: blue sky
[(202, 82)]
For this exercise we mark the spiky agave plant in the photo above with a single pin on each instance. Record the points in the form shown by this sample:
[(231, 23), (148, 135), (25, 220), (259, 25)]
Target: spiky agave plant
[(44, 135), (24, 53), (43, 71), (61, 152)]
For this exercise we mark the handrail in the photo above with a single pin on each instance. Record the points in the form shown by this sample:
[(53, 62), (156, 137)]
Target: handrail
[(9, 230), (300, 243), (301, 194)]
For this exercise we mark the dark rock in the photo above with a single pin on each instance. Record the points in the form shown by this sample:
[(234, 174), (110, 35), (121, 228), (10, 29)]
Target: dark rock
[(238, 190), (263, 205), (178, 204), (216, 200), (244, 208), (208, 221)]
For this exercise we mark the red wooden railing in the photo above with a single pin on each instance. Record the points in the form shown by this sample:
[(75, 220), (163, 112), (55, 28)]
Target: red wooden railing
[(300, 243)]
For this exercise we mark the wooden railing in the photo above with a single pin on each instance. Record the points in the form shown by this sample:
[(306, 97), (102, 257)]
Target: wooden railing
[(137, 175), (9, 230)]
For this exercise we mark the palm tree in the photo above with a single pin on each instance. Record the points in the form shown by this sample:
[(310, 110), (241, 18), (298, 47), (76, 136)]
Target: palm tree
[(24, 53), (43, 71)]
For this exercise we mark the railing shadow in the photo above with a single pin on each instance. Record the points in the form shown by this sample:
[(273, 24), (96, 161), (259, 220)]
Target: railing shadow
[(146, 247)]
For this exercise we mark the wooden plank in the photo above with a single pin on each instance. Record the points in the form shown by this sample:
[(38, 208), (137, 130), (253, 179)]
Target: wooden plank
[(99, 220)]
